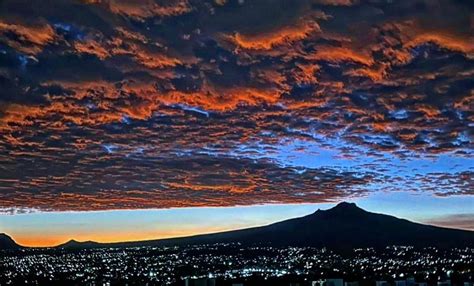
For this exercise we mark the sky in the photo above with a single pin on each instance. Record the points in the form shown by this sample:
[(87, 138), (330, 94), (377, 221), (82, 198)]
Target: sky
[(128, 120)]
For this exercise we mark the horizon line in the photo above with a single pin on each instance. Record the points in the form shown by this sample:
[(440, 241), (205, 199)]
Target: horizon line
[(72, 239)]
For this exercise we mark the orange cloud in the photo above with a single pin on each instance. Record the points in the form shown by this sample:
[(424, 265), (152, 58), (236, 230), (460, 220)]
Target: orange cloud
[(91, 47), (339, 54), (337, 2), (449, 41), (30, 39), (149, 8), (270, 40)]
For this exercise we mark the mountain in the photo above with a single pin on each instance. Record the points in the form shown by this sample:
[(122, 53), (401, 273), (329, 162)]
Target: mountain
[(74, 244), (7, 243), (343, 227)]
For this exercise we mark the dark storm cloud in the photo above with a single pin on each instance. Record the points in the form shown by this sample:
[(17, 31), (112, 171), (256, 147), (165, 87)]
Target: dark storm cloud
[(83, 82)]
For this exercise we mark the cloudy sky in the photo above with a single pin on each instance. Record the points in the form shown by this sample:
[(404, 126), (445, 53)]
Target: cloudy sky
[(165, 113)]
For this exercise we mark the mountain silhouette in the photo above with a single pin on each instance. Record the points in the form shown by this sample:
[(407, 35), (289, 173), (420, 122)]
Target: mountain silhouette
[(343, 227), (74, 244), (7, 243)]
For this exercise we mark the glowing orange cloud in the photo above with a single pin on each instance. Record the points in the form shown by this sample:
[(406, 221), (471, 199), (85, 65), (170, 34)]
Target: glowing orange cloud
[(148, 8), (37, 35), (269, 40)]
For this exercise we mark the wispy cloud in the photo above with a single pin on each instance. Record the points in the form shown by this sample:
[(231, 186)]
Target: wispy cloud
[(463, 221)]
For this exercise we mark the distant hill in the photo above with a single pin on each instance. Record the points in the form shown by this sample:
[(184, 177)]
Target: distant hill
[(342, 227), (7, 243), (74, 244)]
